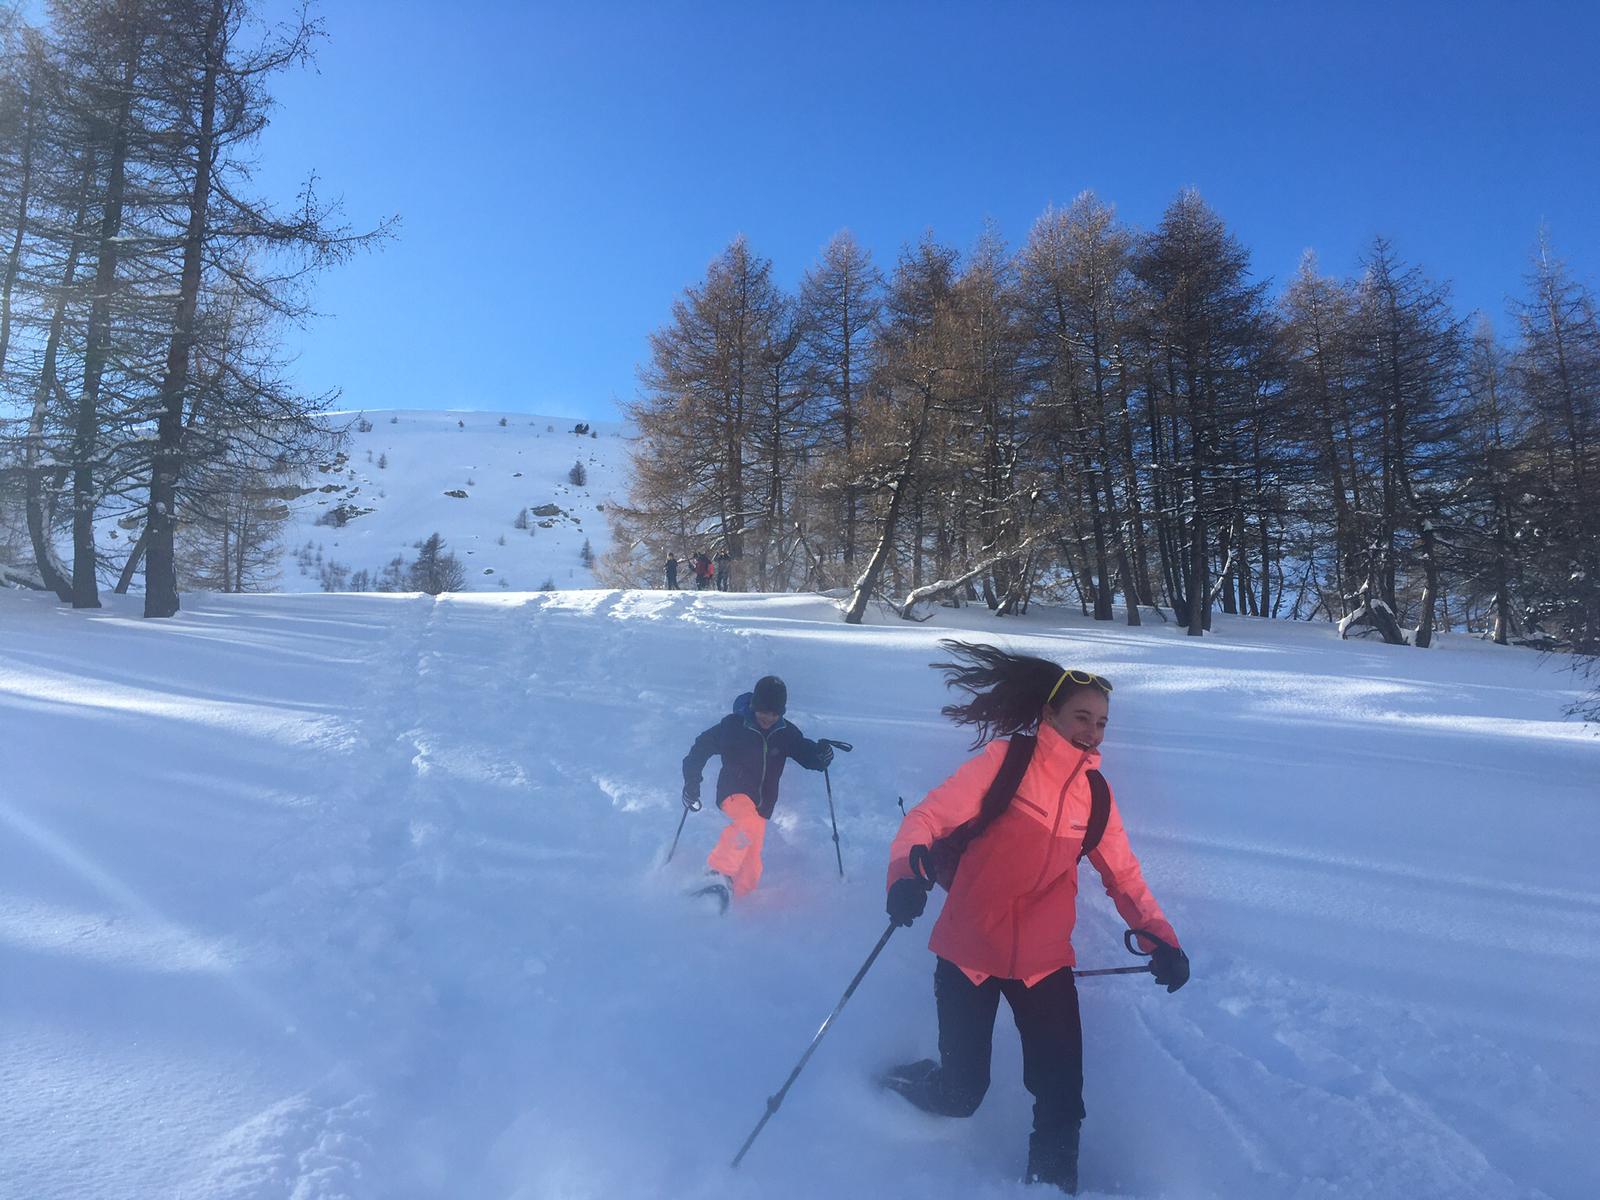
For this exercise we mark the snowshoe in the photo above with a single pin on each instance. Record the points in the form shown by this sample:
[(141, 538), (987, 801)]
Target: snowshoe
[(717, 889)]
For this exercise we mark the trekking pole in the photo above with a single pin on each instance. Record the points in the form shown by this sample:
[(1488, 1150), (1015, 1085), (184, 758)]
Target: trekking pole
[(826, 779), (1127, 940), (773, 1102), (686, 811), (1144, 970)]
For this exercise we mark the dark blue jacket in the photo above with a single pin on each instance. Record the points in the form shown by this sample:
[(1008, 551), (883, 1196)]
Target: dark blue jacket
[(752, 761)]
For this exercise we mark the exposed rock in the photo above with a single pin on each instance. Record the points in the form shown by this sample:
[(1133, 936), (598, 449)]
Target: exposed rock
[(341, 515), (286, 492)]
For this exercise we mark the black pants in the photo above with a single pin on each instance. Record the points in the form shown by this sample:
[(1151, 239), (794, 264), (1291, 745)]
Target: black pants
[(1052, 1046)]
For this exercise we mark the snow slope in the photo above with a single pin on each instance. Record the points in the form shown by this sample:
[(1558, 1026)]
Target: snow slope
[(363, 896), (499, 471)]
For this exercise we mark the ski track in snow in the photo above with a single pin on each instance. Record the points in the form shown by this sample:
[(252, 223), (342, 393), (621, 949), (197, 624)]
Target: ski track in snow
[(482, 979)]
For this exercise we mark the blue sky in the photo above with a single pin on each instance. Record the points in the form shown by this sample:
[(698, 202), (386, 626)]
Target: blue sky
[(563, 171)]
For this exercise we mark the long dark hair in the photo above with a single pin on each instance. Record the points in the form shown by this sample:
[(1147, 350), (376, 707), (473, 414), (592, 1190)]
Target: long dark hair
[(1008, 690)]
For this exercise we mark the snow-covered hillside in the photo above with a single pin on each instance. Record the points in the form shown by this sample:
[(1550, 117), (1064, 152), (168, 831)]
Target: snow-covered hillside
[(313, 896), (466, 476)]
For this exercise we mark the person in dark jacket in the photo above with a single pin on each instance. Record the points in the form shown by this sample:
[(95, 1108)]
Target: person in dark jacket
[(753, 742), (672, 572), (724, 571)]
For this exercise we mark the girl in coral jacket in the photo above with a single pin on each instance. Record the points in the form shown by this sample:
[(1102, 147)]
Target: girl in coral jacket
[(1006, 928)]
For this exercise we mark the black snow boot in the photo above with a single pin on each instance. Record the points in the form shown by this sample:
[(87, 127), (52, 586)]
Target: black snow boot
[(922, 1083), (1053, 1158), (910, 1079)]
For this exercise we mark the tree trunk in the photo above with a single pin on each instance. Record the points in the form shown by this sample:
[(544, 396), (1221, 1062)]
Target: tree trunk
[(51, 573), (1265, 606), (135, 555), (1134, 534), (1227, 552), (39, 514), (161, 519), (1502, 580), (869, 578), (85, 589), (1430, 589), (1130, 586), (868, 582), (1199, 589), (1102, 561)]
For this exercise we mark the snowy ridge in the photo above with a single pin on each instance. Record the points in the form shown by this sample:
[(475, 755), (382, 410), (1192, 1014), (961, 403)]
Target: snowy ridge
[(466, 476), (362, 896)]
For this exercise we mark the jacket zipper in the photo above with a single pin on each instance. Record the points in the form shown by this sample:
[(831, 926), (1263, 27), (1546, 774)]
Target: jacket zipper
[(1049, 850), (766, 750)]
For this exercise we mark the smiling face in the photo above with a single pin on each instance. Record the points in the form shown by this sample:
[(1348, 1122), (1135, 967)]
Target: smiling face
[(766, 719), (1082, 717)]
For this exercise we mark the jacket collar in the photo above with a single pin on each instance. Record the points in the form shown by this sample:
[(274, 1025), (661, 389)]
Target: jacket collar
[(1060, 754), (743, 710)]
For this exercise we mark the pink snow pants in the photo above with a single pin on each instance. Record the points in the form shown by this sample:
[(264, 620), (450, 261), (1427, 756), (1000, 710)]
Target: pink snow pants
[(737, 853)]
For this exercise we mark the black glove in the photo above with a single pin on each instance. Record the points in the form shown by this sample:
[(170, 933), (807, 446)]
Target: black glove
[(691, 797), (824, 755), (907, 899), (1170, 966)]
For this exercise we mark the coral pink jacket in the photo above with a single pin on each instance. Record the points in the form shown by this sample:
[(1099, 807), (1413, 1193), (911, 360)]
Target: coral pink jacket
[(1013, 904)]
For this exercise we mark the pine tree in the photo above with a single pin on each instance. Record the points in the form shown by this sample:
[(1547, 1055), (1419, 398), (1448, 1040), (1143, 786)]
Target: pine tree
[(1557, 373), (1204, 331), (700, 396), (435, 570), (1321, 400), (1076, 283), (840, 304), (912, 386), (1409, 361), (1495, 516)]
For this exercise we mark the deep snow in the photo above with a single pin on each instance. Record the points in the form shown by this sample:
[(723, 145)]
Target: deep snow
[(361, 896)]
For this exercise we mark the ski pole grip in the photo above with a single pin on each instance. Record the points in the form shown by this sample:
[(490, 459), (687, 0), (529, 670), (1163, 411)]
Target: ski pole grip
[(1133, 946), (922, 866), (837, 745)]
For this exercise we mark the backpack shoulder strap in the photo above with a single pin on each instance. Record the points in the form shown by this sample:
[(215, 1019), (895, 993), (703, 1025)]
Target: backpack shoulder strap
[(1019, 753), (1099, 812)]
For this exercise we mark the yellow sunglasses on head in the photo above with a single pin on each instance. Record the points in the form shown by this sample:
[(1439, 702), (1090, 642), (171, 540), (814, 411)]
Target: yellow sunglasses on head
[(1082, 679)]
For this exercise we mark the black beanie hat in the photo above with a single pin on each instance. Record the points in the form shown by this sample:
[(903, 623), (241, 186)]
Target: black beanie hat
[(770, 695)]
